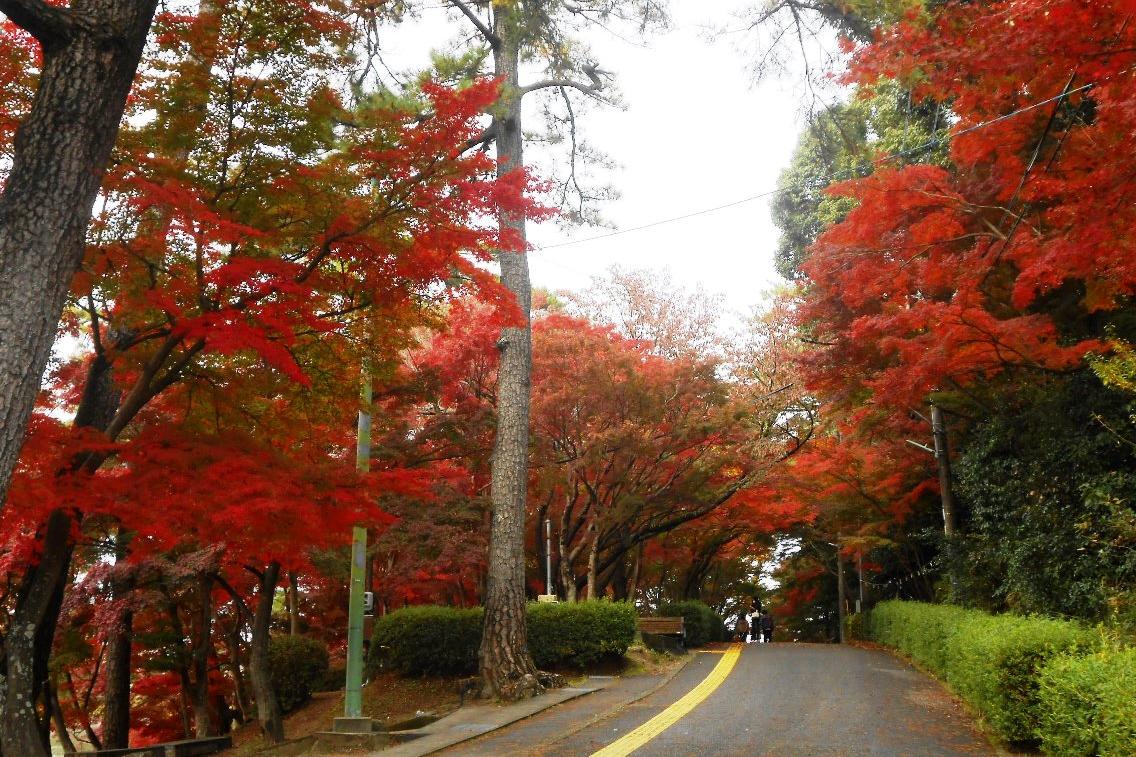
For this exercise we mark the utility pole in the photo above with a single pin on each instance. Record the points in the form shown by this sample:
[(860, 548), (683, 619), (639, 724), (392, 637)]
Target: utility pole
[(547, 556), (860, 577), (353, 720), (840, 599), (942, 456), (548, 595)]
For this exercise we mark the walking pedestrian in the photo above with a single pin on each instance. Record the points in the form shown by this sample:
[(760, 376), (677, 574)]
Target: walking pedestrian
[(766, 627), (741, 629), (755, 619)]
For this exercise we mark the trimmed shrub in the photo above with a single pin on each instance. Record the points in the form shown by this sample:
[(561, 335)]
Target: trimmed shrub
[(297, 665), (854, 626), (443, 641), (919, 630), (581, 633), (993, 662), (427, 640), (1087, 705), (701, 622), (333, 680)]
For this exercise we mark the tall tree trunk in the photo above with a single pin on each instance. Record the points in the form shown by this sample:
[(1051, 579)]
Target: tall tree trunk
[(567, 576), (232, 639), (203, 724), (593, 560), (505, 665), (294, 602), (91, 51), (36, 611), (267, 706), (633, 581), (116, 695), (618, 580), (61, 732)]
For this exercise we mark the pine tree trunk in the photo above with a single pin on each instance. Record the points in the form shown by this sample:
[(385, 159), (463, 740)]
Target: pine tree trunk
[(267, 706), (60, 155), (505, 665)]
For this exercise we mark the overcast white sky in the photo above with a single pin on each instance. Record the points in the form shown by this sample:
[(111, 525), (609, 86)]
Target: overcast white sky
[(696, 133)]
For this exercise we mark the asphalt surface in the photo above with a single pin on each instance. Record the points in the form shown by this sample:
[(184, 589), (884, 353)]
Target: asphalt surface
[(779, 699)]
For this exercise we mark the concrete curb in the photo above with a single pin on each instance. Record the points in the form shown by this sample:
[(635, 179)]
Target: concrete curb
[(470, 722), (690, 657), (431, 741)]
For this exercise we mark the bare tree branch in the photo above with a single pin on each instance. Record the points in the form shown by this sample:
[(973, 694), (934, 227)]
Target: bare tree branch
[(474, 19), (594, 73)]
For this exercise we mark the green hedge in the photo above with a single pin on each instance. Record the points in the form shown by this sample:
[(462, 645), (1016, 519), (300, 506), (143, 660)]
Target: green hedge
[(297, 665), (427, 640), (444, 640), (578, 634), (702, 624), (1088, 704), (993, 662)]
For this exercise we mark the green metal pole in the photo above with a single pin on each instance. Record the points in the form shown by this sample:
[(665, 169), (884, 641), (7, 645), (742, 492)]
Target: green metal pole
[(353, 701)]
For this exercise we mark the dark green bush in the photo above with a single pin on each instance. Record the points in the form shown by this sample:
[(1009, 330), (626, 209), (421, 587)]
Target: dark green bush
[(1087, 704), (444, 640), (427, 640), (297, 665), (333, 680), (991, 661), (702, 624), (581, 633), (854, 626)]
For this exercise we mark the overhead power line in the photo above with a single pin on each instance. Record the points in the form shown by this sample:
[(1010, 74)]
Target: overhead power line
[(862, 170)]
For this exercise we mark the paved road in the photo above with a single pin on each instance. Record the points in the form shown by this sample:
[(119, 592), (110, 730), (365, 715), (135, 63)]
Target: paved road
[(782, 699)]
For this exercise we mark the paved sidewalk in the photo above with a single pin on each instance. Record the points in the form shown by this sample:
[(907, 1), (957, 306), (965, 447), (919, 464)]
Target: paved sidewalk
[(480, 729)]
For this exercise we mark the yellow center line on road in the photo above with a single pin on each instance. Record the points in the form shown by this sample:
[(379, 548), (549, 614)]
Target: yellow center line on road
[(668, 717)]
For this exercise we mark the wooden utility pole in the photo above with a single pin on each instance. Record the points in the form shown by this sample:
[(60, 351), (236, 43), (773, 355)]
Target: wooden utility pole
[(840, 599), (943, 458)]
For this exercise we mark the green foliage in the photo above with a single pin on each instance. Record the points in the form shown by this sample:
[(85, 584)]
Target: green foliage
[(1087, 704), (443, 641), (580, 633), (1117, 370), (842, 143), (1050, 484), (427, 640), (702, 624), (854, 626), (992, 661), (298, 666), (919, 630)]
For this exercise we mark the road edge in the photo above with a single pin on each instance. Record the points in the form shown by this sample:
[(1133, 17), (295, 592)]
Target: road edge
[(689, 657)]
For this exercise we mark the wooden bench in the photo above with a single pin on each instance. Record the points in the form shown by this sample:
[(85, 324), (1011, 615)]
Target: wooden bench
[(663, 634)]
